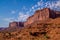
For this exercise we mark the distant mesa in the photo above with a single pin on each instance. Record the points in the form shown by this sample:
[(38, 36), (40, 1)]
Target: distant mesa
[(16, 24)]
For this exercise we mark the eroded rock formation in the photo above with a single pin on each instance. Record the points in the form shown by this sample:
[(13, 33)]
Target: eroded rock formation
[(16, 24), (43, 14)]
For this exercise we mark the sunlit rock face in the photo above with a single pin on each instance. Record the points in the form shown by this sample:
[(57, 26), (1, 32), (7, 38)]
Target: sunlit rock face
[(43, 14), (16, 24), (13, 24)]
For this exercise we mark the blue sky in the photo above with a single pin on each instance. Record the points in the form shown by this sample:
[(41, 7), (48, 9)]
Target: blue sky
[(20, 10)]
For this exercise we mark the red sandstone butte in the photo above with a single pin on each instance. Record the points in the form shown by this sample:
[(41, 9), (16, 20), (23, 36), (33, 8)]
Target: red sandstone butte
[(43, 14)]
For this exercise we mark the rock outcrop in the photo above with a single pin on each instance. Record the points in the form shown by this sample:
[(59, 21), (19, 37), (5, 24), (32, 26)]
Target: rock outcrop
[(43, 14), (16, 24)]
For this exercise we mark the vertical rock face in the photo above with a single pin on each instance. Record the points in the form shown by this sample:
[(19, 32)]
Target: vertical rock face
[(13, 24), (57, 13), (16, 24), (21, 24), (39, 15), (43, 14)]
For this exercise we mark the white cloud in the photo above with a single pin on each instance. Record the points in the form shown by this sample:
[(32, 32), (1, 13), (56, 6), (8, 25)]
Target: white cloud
[(6, 22), (32, 7), (24, 8), (22, 17), (53, 5), (58, 3), (49, 4), (38, 8), (9, 19), (38, 3)]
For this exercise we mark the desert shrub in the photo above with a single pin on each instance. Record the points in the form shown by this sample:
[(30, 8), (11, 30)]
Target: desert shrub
[(47, 24), (46, 36), (57, 25), (7, 35), (19, 38), (34, 34), (43, 33)]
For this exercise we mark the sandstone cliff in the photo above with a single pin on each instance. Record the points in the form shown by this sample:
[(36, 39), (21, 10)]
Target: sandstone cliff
[(43, 14)]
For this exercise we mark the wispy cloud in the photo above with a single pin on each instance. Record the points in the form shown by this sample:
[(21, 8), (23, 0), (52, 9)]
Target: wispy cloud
[(55, 5), (11, 19), (22, 17), (24, 7), (32, 7), (39, 5), (8, 19)]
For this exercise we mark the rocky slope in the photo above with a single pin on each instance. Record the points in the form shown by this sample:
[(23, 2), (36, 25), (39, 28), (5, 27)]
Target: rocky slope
[(44, 30)]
